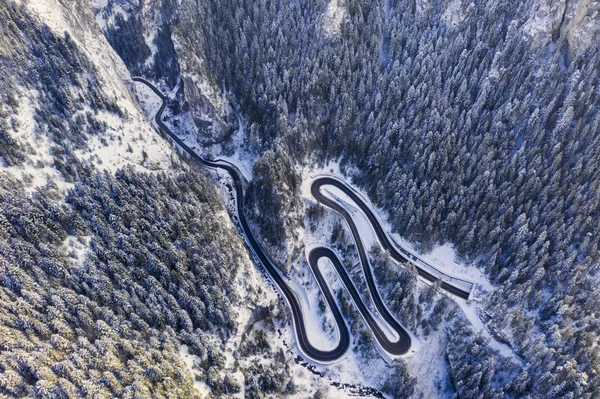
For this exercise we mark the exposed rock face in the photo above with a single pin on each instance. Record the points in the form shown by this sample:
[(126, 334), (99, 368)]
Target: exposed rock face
[(580, 25), (212, 127), (570, 20), (575, 21)]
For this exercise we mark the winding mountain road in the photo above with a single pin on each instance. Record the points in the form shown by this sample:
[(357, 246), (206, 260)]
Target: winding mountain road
[(383, 238), (395, 348)]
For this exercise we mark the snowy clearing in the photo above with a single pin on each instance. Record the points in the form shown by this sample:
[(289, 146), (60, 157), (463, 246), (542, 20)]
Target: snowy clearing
[(189, 361), (334, 17)]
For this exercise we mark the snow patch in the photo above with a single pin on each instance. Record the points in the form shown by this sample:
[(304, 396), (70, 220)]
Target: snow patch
[(430, 367), (334, 17), (77, 247), (147, 99), (128, 142), (454, 14), (190, 361), (321, 329), (241, 158), (38, 169), (445, 257)]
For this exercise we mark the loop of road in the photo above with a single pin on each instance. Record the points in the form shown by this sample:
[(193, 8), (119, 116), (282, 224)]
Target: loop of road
[(394, 348)]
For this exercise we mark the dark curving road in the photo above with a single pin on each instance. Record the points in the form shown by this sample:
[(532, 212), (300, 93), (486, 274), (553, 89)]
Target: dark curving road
[(395, 348), (381, 235)]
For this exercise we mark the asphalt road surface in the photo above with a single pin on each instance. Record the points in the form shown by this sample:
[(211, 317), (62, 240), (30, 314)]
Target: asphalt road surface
[(381, 235)]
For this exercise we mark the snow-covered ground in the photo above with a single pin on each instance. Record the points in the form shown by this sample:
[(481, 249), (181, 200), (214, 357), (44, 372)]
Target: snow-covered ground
[(431, 368), (244, 164), (148, 99), (127, 144), (39, 168), (243, 159), (455, 13), (328, 270), (77, 247), (321, 328), (353, 367), (320, 237), (190, 360), (129, 140), (334, 17)]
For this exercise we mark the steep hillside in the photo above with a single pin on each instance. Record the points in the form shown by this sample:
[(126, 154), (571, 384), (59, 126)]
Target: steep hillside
[(141, 32)]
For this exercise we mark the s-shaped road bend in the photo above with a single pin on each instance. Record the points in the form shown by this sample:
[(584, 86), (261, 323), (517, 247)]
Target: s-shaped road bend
[(394, 348)]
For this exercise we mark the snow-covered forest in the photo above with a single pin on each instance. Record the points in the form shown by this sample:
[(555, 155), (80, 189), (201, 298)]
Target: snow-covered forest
[(472, 125)]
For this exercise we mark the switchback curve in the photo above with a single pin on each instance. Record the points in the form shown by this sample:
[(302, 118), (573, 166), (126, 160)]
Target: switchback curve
[(383, 238)]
